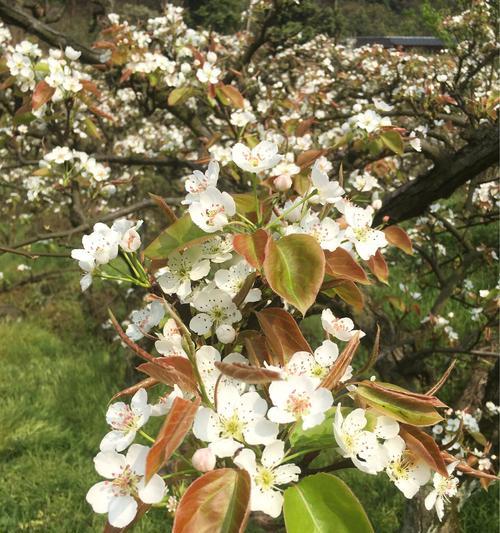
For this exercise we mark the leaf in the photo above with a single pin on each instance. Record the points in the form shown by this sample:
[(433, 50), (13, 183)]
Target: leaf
[(295, 267), (349, 292), (252, 246), (307, 158), (218, 501), (248, 374), (341, 264), (423, 446), (406, 409), (332, 379), (442, 380), (129, 391), (256, 347), (282, 333), (378, 266), (304, 126), (233, 95), (324, 504), (128, 341), (167, 210), (175, 428), (398, 237), (172, 370), (42, 93), (392, 140), (179, 95), (467, 469), (182, 233)]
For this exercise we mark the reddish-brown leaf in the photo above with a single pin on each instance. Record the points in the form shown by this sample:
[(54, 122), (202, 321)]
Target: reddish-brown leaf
[(398, 237), (304, 126), (233, 95), (282, 333), (307, 158), (172, 370), (467, 469), (443, 379), (332, 379), (408, 397), (175, 428), (42, 93), (341, 264), (378, 266), (349, 292), (167, 210), (129, 391), (423, 446), (256, 347), (218, 501), (248, 374), (128, 341), (252, 246), (91, 87)]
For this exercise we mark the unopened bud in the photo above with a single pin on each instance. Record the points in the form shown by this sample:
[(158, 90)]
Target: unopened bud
[(225, 333), (203, 459), (282, 183), (377, 204)]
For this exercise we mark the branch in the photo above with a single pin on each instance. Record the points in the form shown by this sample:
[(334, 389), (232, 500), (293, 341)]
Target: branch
[(15, 16)]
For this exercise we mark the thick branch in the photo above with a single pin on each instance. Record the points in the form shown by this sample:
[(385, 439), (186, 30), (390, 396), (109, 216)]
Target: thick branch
[(11, 14), (411, 199)]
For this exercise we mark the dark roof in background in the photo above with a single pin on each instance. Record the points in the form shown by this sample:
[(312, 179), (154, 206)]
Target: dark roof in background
[(405, 42)]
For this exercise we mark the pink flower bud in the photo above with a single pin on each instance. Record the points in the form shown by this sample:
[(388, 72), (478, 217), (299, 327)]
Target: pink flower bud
[(282, 183), (203, 459)]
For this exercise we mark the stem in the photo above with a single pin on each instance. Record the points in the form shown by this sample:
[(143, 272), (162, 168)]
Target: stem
[(145, 435), (289, 210), (180, 473)]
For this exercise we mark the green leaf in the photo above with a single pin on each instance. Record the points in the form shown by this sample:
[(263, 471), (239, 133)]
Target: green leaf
[(183, 232), (218, 501), (180, 95), (324, 504), (295, 267), (392, 140)]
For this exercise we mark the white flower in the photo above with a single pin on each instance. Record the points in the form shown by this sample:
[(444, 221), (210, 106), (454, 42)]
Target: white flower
[(209, 73), (327, 232), (316, 365), (416, 144), (217, 249), (238, 418), (169, 342), (199, 182), (406, 471), (363, 182), (354, 442), (262, 157), (125, 482), (329, 192), (216, 308), (444, 488), (370, 120), (182, 269), (163, 405), (125, 420), (232, 280), (144, 319), (212, 210), (130, 240), (365, 239), (266, 476), (299, 399), (340, 328), (71, 53)]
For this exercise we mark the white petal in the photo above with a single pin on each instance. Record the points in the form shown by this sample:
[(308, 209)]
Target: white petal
[(246, 460), (136, 458), (122, 511), (386, 427), (273, 454), (275, 414), (205, 425), (99, 496), (286, 474), (262, 432), (109, 464), (201, 323), (225, 447), (152, 492)]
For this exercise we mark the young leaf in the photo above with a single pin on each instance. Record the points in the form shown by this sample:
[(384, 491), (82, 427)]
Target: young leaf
[(341, 264), (129, 391), (256, 347), (332, 379), (42, 93), (398, 237), (307, 158), (180, 95), (282, 333), (172, 370), (423, 446), (324, 504), (378, 266), (233, 95), (182, 233), (248, 374), (349, 292), (176, 426), (252, 246), (392, 140), (218, 501), (295, 267)]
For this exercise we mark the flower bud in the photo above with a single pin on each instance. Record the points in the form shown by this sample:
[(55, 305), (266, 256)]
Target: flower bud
[(225, 333), (203, 459), (71, 53), (131, 240), (377, 203), (211, 57), (282, 183)]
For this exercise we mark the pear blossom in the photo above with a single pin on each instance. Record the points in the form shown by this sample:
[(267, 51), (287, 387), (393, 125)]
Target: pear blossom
[(204, 459), (124, 483), (262, 157), (297, 398), (163, 405), (170, 340), (341, 328), (215, 307), (182, 269), (406, 471), (327, 232), (265, 477), (208, 73), (328, 192), (199, 182), (232, 280), (144, 319), (237, 419), (363, 182), (217, 249), (356, 443), (125, 420), (212, 209), (444, 488), (316, 365), (359, 231), (370, 121), (71, 53), (130, 240)]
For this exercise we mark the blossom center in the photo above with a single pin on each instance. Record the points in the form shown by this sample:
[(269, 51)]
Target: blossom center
[(127, 420), (126, 483), (298, 404), (233, 427), (264, 478)]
